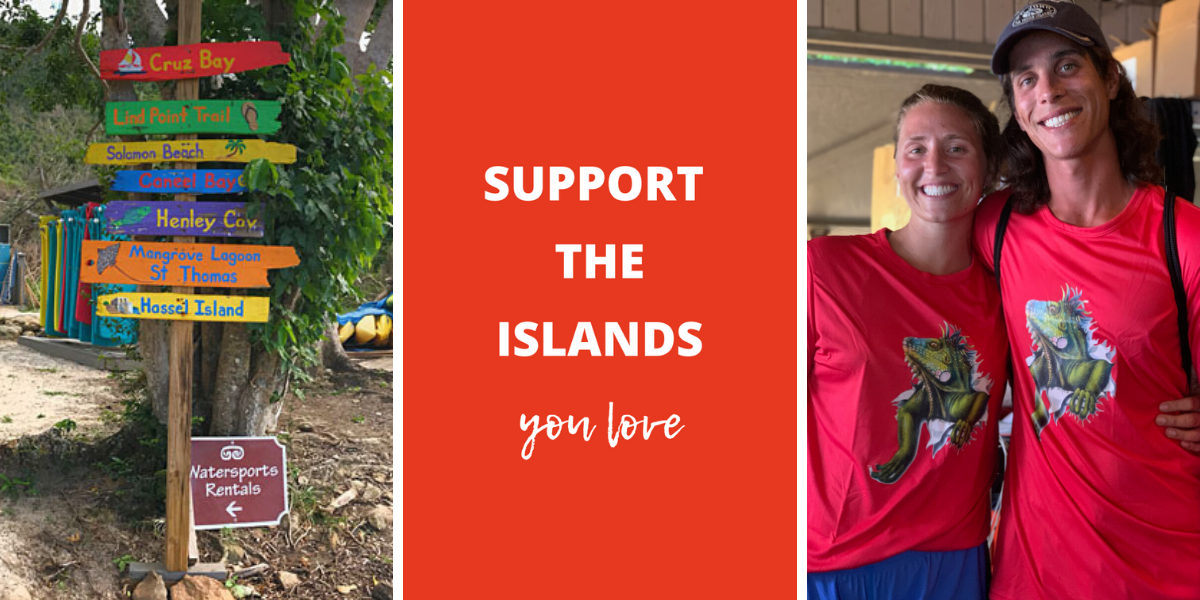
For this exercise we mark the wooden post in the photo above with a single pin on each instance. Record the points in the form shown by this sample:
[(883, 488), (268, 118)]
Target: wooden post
[(179, 421)]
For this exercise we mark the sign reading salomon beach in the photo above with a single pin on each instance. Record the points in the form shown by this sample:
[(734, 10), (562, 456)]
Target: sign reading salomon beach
[(238, 481), (188, 62), (191, 151), (163, 263)]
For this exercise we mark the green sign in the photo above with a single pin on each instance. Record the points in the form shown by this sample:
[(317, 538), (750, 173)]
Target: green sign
[(256, 117)]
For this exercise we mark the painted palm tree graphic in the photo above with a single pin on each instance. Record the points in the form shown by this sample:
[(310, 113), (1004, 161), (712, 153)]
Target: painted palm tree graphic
[(235, 147)]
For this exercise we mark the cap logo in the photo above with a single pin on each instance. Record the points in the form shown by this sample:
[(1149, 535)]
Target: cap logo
[(1033, 12)]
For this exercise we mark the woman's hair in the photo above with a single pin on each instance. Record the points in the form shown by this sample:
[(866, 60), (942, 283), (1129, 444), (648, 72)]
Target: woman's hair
[(1136, 135), (987, 127)]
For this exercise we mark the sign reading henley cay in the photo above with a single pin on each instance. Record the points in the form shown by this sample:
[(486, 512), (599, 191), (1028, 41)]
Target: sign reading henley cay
[(184, 307), (238, 482), (258, 117), (190, 61), (194, 181), (132, 153), (192, 265), (224, 219)]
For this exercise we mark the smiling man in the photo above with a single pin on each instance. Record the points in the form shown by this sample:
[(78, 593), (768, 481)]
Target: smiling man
[(1103, 495)]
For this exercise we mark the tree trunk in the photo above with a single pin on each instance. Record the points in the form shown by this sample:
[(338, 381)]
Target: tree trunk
[(232, 376), (333, 356), (262, 400)]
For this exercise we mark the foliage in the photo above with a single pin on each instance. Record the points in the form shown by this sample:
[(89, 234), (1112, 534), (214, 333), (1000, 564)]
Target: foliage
[(53, 76), (41, 149), (334, 205), (13, 486)]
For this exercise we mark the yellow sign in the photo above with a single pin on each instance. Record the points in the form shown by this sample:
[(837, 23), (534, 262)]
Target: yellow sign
[(189, 151), (184, 307)]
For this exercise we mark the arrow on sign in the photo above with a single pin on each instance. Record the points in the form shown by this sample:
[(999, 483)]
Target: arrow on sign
[(233, 509)]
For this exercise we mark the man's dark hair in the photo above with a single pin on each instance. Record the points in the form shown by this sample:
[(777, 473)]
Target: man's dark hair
[(986, 126), (1136, 135)]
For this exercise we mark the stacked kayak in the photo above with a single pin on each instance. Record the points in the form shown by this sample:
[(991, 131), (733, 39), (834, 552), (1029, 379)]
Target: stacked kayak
[(369, 327)]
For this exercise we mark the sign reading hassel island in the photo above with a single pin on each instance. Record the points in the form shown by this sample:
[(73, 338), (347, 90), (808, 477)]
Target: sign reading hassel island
[(184, 307), (258, 117), (162, 263), (190, 151), (194, 181), (238, 481), (225, 219), (191, 61)]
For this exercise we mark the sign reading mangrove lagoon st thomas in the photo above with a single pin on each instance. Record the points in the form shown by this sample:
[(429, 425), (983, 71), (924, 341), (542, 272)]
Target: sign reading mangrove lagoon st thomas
[(255, 117), (190, 61), (182, 181), (164, 263), (189, 151), (225, 219), (184, 307)]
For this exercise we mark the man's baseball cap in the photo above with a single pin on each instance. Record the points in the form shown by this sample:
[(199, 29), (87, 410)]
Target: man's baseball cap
[(1064, 18)]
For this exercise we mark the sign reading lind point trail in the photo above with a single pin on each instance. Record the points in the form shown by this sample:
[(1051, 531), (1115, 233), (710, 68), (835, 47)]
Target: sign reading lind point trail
[(189, 151), (184, 307), (191, 61), (162, 263), (238, 482), (257, 117)]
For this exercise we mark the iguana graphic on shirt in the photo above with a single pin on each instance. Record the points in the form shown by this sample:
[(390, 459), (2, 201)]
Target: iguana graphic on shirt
[(1068, 365), (948, 396)]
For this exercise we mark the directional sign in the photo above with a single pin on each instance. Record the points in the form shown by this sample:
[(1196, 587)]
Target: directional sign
[(190, 61), (196, 265), (238, 482), (258, 117), (184, 307), (189, 151), (195, 181), (225, 219)]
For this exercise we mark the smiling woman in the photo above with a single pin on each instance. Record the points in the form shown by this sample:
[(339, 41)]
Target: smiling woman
[(906, 356)]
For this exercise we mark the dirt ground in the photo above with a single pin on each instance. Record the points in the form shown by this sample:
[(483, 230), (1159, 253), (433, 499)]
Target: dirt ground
[(65, 529)]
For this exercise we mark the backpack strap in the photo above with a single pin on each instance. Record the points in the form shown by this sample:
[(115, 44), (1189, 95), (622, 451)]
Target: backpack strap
[(1001, 226), (1173, 266)]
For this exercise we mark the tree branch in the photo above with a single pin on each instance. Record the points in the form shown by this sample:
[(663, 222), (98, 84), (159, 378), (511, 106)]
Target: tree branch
[(379, 50), (58, 19), (79, 44)]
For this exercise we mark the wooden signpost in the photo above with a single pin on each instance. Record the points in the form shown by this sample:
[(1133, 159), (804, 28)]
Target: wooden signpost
[(184, 307), (188, 151), (254, 117), (181, 181), (224, 219), (189, 61), (161, 263)]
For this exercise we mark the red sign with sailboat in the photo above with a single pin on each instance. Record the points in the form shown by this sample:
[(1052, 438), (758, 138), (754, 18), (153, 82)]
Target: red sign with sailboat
[(188, 62)]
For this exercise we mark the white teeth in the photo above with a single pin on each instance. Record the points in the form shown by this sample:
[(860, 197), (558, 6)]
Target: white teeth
[(938, 190), (1061, 120)]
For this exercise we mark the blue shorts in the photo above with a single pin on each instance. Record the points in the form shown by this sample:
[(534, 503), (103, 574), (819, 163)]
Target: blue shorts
[(912, 575)]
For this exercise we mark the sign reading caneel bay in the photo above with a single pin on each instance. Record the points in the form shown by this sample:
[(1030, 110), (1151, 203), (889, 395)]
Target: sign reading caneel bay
[(164, 263), (258, 117), (183, 181), (191, 151), (184, 307), (164, 63), (226, 219)]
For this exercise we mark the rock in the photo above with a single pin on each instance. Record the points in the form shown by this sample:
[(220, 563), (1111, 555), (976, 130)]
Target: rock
[(357, 485), (288, 580), (346, 589), (199, 588), (382, 592), (333, 540), (346, 498), (306, 427), (388, 496), (379, 477), (380, 518), (10, 332), (14, 591), (151, 588), (371, 493), (234, 553), (302, 480)]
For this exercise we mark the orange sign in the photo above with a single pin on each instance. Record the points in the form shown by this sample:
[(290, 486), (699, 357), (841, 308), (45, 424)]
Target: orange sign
[(198, 265)]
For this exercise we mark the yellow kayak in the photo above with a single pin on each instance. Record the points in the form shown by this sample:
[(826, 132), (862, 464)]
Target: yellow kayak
[(364, 332), (383, 331), (346, 332)]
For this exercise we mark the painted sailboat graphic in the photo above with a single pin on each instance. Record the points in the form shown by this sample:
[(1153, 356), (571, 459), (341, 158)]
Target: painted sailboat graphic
[(132, 63)]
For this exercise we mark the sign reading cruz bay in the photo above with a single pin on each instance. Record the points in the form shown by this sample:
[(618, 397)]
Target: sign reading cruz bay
[(191, 151), (226, 219), (164, 263), (164, 63), (257, 117), (184, 307)]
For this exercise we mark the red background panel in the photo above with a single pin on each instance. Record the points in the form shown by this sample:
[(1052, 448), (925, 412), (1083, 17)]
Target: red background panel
[(709, 514)]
